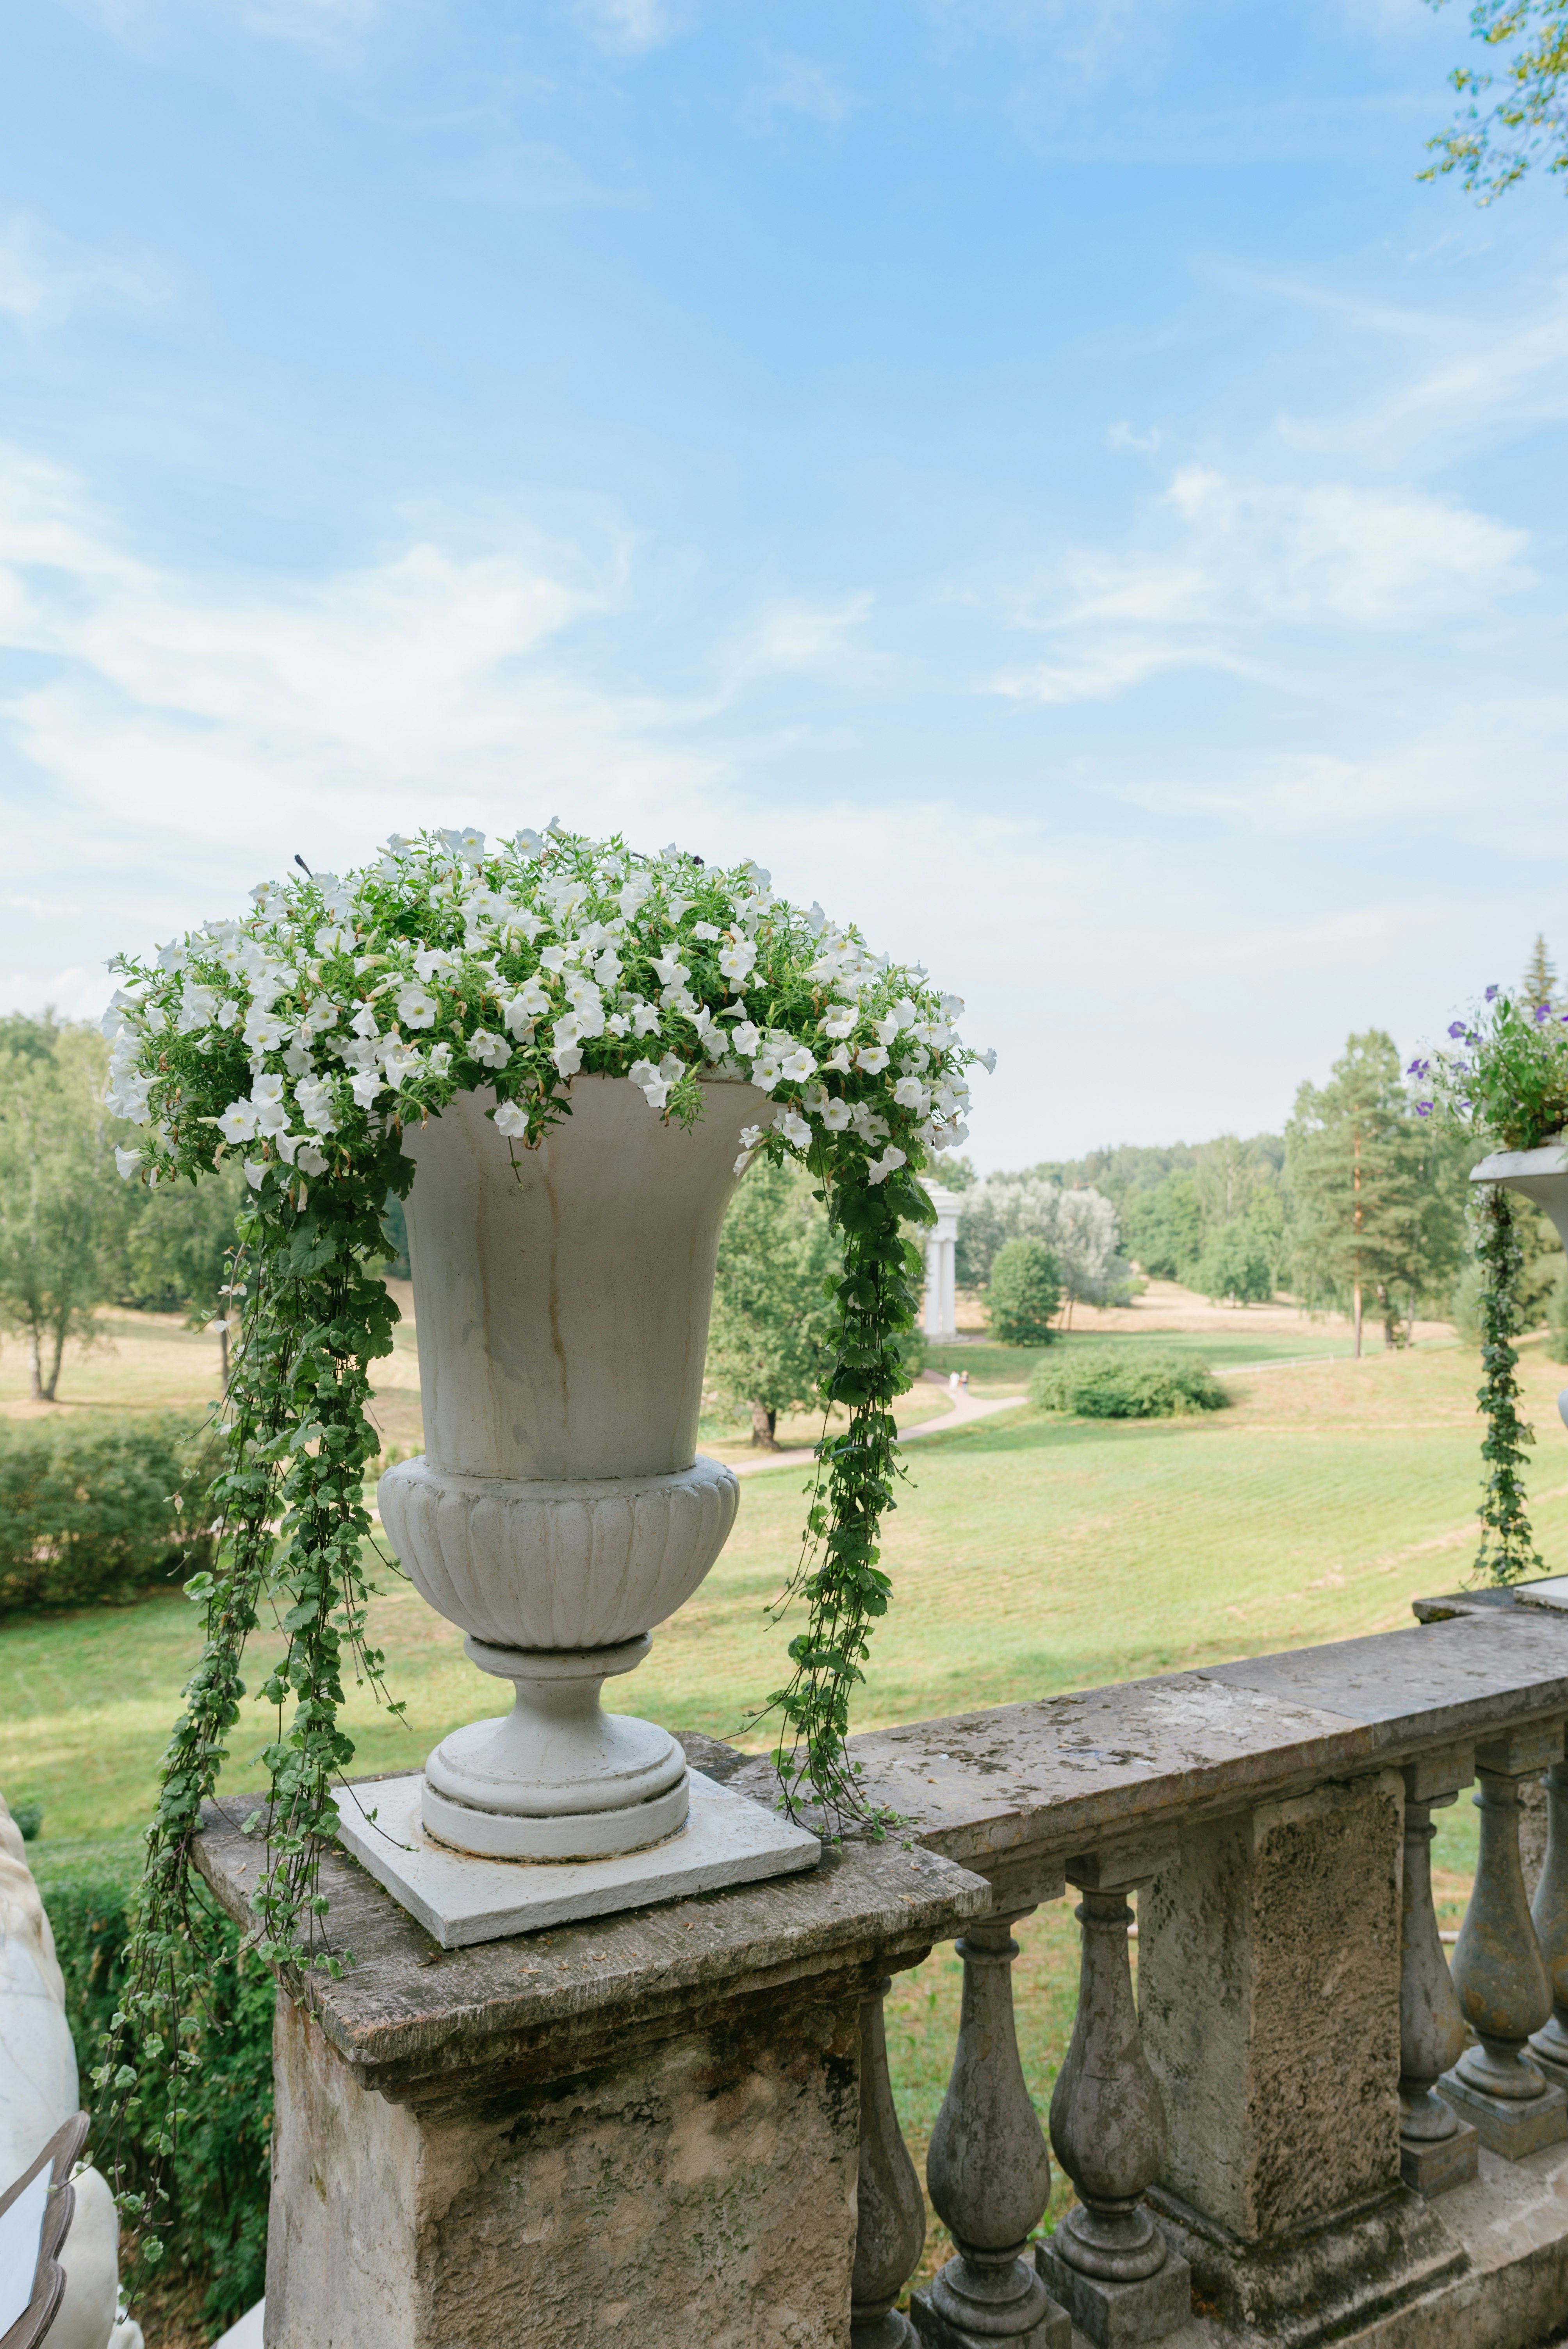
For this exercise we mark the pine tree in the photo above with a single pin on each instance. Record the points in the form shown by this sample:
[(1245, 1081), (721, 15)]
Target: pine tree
[(1355, 1164), (1539, 984)]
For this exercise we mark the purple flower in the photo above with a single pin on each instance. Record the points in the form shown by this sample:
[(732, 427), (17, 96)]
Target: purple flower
[(1417, 1069), (1423, 1109), (1456, 1028), (1491, 995), (1542, 1013)]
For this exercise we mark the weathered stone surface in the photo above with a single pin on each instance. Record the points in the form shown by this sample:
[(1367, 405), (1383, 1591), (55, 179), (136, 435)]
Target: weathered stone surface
[(1119, 2316), (409, 2016), (702, 2191), (1022, 1783), (1511, 2229), (642, 2128), (1438, 2166), (1269, 2000)]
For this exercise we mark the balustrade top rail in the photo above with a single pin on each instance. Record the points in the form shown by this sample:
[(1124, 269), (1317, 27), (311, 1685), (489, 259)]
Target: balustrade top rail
[(1048, 1779)]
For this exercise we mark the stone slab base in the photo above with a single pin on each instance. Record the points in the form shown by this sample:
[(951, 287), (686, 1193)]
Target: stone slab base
[(1505, 2125), (1510, 2226), (460, 1898), (1053, 2330), (1120, 2315), (1317, 2284), (1437, 2167)]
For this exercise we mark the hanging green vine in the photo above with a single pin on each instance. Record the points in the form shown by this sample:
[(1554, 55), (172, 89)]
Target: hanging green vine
[(305, 1038), (1503, 1074), (1507, 1548)]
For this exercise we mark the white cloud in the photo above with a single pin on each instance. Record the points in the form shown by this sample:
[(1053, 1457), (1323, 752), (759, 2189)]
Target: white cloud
[(800, 637), (44, 277), (76, 992), (1232, 560)]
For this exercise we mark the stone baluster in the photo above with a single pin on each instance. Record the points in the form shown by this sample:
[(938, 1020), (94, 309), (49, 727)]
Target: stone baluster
[(1108, 2262), (1505, 1991), (890, 2225), (1437, 2149), (988, 2170), (1549, 2046)]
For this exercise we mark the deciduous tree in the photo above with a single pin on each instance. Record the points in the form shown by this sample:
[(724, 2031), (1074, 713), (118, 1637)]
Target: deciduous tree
[(772, 1317)]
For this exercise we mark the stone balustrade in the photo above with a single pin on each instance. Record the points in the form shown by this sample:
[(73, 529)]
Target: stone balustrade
[(674, 2128)]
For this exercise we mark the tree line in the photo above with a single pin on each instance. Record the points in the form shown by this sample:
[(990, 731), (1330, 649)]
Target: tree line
[(73, 1236)]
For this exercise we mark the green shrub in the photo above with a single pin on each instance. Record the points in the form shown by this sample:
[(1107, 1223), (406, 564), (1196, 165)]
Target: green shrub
[(88, 1511), (1557, 1317), (1023, 1294), (221, 2176), (1125, 1383)]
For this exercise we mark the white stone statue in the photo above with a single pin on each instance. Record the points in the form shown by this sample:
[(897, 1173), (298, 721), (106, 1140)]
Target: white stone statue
[(39, 2092)]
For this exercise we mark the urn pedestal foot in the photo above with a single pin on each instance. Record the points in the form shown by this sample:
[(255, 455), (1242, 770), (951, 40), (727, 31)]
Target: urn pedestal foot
[(461, 1898), (557, 1778)]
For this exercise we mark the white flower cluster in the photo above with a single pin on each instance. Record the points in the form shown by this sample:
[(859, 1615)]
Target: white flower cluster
[(345, 1006)]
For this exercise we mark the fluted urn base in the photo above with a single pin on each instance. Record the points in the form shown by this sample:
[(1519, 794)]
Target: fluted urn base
[(557, 1586)]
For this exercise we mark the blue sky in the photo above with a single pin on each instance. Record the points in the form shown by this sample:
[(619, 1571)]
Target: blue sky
[(1043, 480)]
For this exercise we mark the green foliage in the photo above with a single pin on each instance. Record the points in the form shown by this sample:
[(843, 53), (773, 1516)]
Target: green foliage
[(61, 1207), (219, 2177), (179, 1243), (1493, 149), (1025, 1294), (1538, 987), (773, 1312), (1372, 1218), (1162, 1228), (1505, 1077), (839, 1575), (28, 1820), (396, 1228), (1119, 1382), (94, 1512), (1507, 1546), (1235, 1265)]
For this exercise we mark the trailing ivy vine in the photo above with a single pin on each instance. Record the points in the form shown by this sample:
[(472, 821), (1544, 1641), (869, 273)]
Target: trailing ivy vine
[(1507, 1548), (305, 1037), (1503, 1074)]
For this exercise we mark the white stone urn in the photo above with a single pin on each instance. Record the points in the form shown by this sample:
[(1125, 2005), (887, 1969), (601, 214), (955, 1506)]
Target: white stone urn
[(1539, 1174), (560, 1511)]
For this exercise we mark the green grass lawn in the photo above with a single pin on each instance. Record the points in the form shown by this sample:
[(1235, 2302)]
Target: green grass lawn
[(1004, 1370), (1028, 1557)]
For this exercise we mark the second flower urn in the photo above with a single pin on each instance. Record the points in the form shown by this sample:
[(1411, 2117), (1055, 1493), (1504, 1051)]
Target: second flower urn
[(561, 1513)]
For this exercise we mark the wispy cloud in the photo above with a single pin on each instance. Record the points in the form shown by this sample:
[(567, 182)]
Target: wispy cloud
[(633, 25), (45, 276), (1232, 568)]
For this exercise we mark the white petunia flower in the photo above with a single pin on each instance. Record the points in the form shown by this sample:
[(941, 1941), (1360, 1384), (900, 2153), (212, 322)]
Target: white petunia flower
[(617, 1024), (267, 1089), (567, 1059), (509, 1119), (646, 1019), (315, 1097), (836, 1116), (434, 962), (255, 1174), (886, 1029), (263, 1031), (127, 1160), (888, 1163), (794, 1128), (987, 1062), (364, 1022), (798, 1064), (416, 1009), (272, 1116), (441, 1060), (237, 1123), (767, 1071), (838, 1058), (872, 1058), (867, 1123), (366, 1085), (840, 1021), (743, 1161), (910, 1094), (735, 961), (310, 1160), (706, 930), (751, 1135), (490, 1052), (747, 1036)]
